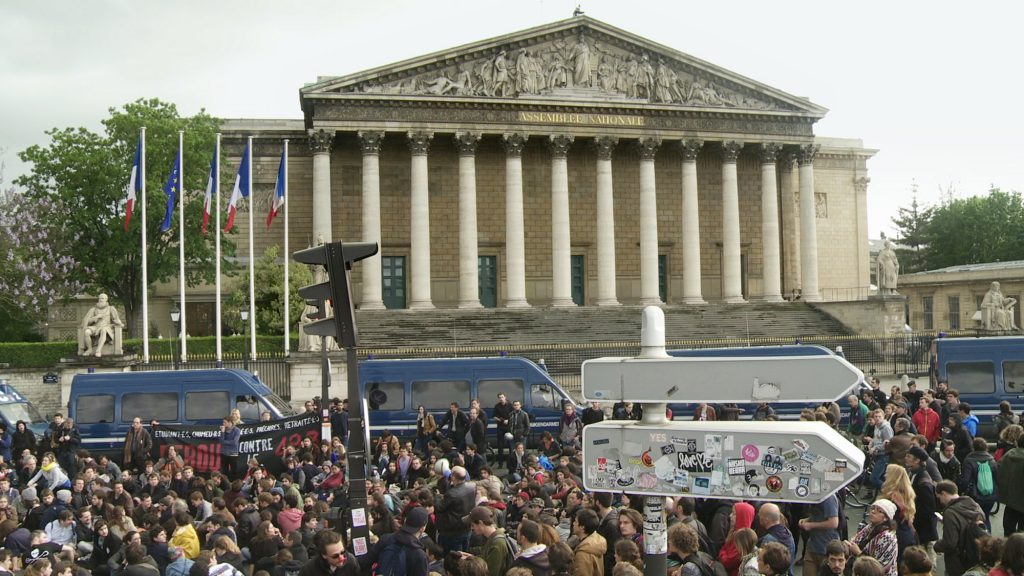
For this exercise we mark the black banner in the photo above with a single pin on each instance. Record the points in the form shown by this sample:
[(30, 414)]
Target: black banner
[(199, 446)]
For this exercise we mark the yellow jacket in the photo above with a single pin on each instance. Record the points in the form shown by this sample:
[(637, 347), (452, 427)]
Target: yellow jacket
[(186, 537), (588, 558)]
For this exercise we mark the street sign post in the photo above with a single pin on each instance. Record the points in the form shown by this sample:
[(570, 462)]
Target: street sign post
[(812, 378), (768, 461)]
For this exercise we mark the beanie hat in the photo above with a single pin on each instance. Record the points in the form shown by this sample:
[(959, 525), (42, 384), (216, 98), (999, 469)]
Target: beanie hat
[(919, 453), (415, 520), (886, 506), (29, 495), (64, 496)]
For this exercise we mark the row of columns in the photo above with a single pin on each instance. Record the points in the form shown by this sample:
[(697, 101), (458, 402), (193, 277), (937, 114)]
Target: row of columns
[(515, 240)]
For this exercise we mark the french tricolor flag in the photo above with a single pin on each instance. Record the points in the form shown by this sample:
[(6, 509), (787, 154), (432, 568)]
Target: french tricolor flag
[(134, 185), (278, 201), (243, 189), (211, 189)]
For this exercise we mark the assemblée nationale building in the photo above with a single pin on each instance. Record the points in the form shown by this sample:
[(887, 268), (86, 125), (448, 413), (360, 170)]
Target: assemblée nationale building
[(569, 164)]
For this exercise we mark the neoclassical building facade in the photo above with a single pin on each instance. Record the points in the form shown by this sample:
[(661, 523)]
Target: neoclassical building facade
[(569, 164)]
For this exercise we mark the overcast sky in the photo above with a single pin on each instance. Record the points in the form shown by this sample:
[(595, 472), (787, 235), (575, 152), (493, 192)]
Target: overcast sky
[(935, 86)]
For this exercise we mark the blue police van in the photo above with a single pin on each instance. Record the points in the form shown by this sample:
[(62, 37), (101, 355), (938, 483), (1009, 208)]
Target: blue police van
[(103, 405), (394, 390), (14, 407), (985, 371)]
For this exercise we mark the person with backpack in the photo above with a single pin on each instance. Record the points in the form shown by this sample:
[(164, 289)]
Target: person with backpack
[(497, 549), (401, 553), (962, 523), (977, 478), (1011, 477), (683, 547)]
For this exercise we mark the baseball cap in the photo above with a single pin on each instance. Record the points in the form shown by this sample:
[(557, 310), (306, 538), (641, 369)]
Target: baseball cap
[(538, 502), (479, 514), (415, 519)]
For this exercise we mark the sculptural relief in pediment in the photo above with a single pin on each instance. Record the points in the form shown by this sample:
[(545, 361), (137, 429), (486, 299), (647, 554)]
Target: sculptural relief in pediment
[(579, 68)]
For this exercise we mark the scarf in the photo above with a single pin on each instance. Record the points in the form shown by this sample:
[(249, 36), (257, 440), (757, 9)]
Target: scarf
[(50, 466)]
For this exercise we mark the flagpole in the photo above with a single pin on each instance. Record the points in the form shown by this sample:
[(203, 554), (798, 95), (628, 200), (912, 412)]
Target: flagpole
[(252, 260), (287, 257), (216, 188), (145, 271), (181, 241)]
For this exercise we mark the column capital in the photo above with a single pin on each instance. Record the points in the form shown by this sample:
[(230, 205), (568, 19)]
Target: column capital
[(805, 154), (467, 142), (731, 151), (769, 152), (604, 145), (370, 141), (320, 141), (648, 147), (419, 142), (860, 184), (689, 149), (514, 142), (559, 144), (787, 159)]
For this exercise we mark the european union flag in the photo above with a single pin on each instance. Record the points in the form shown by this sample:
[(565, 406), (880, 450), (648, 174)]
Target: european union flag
[(171, 188)]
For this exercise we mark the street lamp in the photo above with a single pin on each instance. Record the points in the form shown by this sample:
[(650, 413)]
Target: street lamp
[(175, 317), (244, 313)]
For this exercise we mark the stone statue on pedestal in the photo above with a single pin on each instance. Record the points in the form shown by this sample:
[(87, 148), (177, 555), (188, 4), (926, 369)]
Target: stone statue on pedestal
[(997, 310), (101, 326), (888, 269)]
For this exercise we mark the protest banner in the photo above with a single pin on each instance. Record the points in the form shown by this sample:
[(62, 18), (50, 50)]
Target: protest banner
[(199, 446)]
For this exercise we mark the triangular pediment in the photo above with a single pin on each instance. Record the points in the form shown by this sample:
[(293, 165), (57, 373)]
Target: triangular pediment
[(571, 60)]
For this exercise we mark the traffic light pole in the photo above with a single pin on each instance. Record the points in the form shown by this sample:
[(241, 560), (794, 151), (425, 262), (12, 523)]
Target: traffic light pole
[(356, 456)]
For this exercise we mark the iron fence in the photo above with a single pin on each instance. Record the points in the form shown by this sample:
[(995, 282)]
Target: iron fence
[(272, 369)]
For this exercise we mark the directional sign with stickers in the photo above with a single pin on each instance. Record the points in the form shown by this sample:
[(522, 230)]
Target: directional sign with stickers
[(812, 378), (770, 461)]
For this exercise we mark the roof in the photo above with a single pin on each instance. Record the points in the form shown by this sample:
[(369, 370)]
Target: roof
[(983, 267)]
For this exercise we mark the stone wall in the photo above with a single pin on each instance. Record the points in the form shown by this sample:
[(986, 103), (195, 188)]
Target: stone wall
[(875, 317)]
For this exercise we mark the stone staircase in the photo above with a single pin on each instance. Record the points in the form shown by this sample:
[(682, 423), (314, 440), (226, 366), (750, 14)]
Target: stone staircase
[(588, 325)]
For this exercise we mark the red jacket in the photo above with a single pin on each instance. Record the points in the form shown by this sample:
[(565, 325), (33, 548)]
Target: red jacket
[(927, 423)]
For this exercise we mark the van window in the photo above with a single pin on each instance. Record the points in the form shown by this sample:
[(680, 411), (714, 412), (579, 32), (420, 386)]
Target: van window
[(971, 377), (385, 395), (487, 390), (208, 405), (94, 408), (439, 394), (160, 406), (545, 397), (248, 407), (1013, 375)]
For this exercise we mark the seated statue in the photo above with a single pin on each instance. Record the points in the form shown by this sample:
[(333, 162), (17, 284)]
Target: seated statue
[(101, 326), (997, 310)]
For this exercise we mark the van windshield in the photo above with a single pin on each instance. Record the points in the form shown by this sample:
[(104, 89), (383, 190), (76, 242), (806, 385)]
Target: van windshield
[(277, 403), (21, 411)]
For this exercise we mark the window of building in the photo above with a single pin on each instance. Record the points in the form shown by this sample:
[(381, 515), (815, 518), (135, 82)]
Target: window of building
[(439, 394), (487, 390), (160, 406), (927, 313), (954, 312), (386, 395), (94, 408), (972, 377), (211, 405)]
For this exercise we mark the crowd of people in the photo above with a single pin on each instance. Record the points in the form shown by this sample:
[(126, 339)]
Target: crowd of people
[(457, 499)]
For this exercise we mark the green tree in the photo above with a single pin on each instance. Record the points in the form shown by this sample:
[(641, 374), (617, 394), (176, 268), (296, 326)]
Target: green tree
[(269, 289), (911, 224), (975, 230), (82, 176)]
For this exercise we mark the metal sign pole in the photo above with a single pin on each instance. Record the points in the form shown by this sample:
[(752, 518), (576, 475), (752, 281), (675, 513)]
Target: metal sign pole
[(652, 345)]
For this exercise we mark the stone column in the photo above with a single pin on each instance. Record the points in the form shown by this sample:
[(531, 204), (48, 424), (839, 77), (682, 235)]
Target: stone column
[(790, 222), (419, 222), (561, 250), (469, 270), (606, 290), (515, 238), (772, 267), (808, 225), (373, 294), (320, 144), (648, 222), (732, 289), (692, 290)]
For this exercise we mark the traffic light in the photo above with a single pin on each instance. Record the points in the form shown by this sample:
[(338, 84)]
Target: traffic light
[(337, 259)]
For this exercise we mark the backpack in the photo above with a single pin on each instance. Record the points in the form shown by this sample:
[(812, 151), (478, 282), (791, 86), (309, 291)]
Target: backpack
[(392, 560), (969, 555), (512, 552), (712, 568), (986, 485)]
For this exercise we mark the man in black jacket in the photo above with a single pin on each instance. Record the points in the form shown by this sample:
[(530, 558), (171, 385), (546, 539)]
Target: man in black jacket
[(407, 538), (458, 501), (925, 521), (331, 558), (502, 411), (457, 423)]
